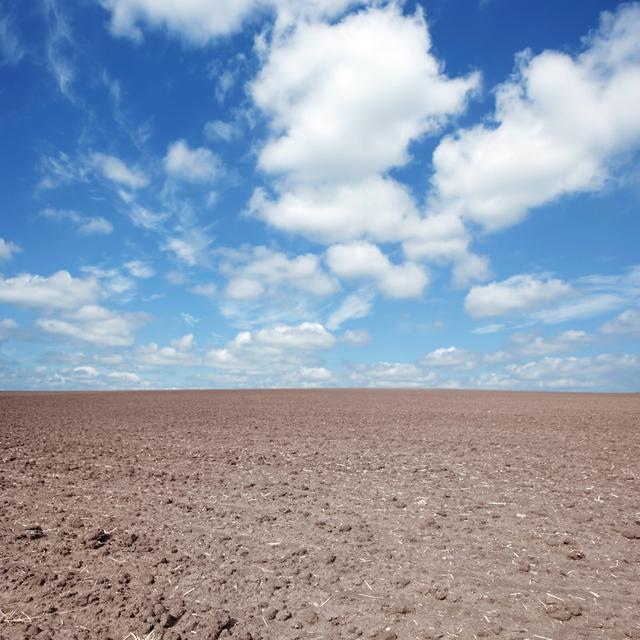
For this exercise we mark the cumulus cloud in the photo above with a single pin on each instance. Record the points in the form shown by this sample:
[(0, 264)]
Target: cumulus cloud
[(376, 208), (308, 335), (86, 371), (305, 336), (605, 371), (8, 249), (115, 170), (191, 165), (178, 353), (260, 270), (559, 124), (343, 111), (201, 21), (450, 357), (515, 295), (550, 300), (96, 325), (58, 291), (314, 374), (274, 355), (124, 376), (343, 107), (184, 343), (358, 260)]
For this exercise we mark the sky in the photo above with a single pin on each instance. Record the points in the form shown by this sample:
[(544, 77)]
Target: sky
[(319, 193)]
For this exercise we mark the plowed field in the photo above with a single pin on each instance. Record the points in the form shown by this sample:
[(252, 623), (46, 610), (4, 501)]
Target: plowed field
[(277, 515)]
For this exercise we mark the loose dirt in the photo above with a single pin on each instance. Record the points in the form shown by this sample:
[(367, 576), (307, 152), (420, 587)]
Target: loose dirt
[(319, 514)]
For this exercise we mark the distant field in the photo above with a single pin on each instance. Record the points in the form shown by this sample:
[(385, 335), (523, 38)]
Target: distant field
[(319, 514)]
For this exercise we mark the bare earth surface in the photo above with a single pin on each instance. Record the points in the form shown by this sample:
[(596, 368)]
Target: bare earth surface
[(319, 514)]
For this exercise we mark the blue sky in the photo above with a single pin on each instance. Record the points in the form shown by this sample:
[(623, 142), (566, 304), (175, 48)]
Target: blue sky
[(268, 193)]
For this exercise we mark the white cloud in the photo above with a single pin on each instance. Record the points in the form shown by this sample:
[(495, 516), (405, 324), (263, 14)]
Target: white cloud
[(469, 267), (97, 226), (86, 372), (139, 269), (60, 170), (8, 324), (183, 344), (515, 295), (532, 345), (356, 337), (276, 355), (124, 376), (97, 325), (605, 371), (551, 300), (221, 130), (191, 247), (58, 45), (206, 290), (376, 208), (85, 225), (343, 111), (7, 327), (353, 307), (559, 124), (450, 357), (582, 305), (8, 249), (436, 237), (115, 170), (342, 106), (626, 323), (260, 270), (145, 219), (488, 328), (308, 335), (244, 289), (58, 291), (112, 282), (315, 374), (191, 165), (359, 260), (201, 21), (189, 319), (177, 354)]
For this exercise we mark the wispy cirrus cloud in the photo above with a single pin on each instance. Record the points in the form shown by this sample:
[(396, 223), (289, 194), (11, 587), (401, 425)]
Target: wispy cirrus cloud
[(12, 47), (85, 225)]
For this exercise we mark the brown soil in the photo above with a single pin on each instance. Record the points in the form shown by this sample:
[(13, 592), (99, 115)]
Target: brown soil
[(319, 514)]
